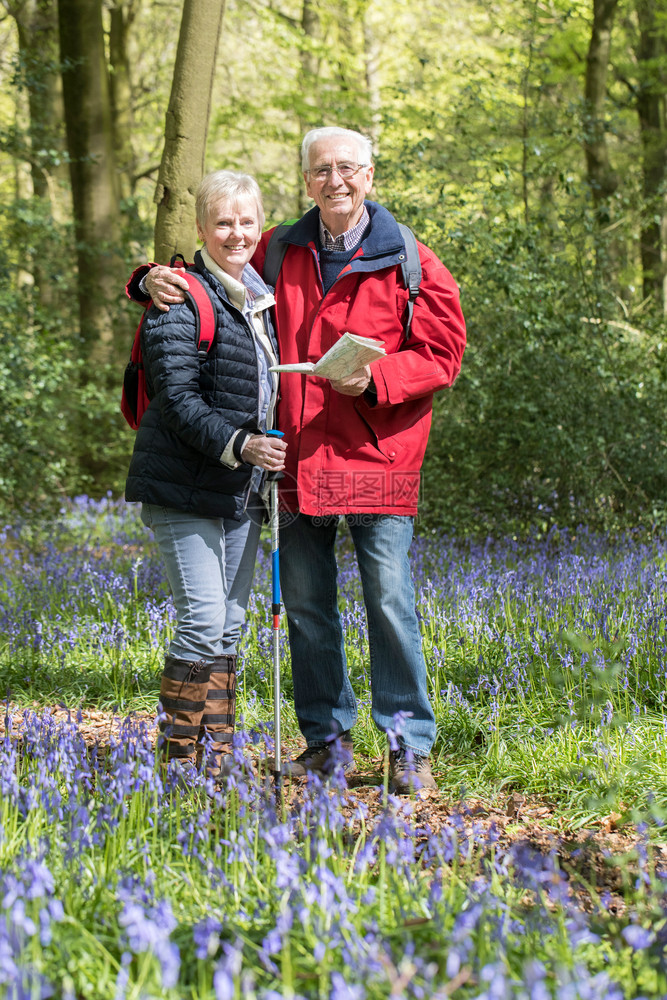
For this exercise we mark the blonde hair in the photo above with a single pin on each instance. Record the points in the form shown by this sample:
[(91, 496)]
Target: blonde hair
[(226, 185)]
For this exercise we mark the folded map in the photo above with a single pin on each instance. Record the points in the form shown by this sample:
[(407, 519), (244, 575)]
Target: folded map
[(346, 355)]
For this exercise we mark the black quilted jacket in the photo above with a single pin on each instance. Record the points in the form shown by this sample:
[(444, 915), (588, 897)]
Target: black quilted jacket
[(195, 408)]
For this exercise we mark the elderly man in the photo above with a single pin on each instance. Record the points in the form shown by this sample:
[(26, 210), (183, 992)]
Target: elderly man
[(354, 450)]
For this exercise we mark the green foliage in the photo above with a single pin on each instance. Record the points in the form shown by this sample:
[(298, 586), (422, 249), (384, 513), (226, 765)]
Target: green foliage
[(60, 429), (37, 369), (557, 414), (556, 417)]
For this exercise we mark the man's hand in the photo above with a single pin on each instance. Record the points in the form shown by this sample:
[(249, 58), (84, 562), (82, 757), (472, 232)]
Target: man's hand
[(164, 285), (354, 384), (266, 451)]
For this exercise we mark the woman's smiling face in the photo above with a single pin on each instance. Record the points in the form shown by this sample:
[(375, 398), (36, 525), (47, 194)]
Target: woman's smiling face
[(231, 233)]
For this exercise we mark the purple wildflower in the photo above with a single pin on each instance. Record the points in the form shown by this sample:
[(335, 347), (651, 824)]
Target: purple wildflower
[(148, 931), (341, 991), (638, 937), (228, 970), (206, 936)]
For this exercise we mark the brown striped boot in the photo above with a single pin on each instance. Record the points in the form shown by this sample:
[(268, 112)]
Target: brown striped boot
[(183, 697), (219, 715)]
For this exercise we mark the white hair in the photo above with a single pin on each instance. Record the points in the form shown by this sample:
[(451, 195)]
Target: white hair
[(226, 185), (364, 145)]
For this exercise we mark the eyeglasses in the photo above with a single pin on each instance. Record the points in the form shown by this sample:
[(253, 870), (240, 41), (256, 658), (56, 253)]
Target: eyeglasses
[(344, 170)]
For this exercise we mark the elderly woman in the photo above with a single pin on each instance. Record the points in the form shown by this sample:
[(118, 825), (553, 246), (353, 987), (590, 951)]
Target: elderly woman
[(198, 464)]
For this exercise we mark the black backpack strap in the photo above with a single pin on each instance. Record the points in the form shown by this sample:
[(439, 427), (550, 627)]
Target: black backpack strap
[(411, 270), (275, 252)]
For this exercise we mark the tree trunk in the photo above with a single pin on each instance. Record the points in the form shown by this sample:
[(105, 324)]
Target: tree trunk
[(372, 68), (47, 181), (602, 179), (122, 15), (93, 174), (37, 26), (651, 51), (529, 44), (348, 61), (186, 128), (26, 273), (309, 115)]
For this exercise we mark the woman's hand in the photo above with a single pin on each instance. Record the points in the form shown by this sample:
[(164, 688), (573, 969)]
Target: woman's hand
[(164, 285), (266, 451)]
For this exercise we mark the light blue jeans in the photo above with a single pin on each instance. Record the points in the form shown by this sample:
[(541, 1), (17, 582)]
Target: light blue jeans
[(323, 696), (210, 564)]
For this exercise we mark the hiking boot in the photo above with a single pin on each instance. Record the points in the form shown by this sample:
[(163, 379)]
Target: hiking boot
[(322, 758), (216, 726), (409, 772), (183, 699)]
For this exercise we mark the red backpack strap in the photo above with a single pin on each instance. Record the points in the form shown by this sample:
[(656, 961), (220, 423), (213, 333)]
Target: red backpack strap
[(204, 311), (134, 398), (135, 353)]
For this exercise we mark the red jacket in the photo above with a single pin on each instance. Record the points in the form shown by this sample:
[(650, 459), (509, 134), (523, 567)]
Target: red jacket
[(351, 454)]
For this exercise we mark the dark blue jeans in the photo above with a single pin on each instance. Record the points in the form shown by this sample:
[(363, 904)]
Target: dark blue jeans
[(323, 695)]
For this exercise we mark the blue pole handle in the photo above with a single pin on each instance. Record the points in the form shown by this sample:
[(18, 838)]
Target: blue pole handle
[(274, 476)]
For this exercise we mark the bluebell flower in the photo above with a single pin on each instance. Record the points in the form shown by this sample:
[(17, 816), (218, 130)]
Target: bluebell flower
[(223, 984), (206, 936), (340, 990), (638, 937), (288, 870), (122, 982), (579, 931), (395, 731), (454, 963), (149, 932)]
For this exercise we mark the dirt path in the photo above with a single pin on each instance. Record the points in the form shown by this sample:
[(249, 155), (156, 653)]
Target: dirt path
[(95, 726)]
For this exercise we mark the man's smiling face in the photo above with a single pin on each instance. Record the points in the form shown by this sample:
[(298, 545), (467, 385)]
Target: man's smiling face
[(339, 199)]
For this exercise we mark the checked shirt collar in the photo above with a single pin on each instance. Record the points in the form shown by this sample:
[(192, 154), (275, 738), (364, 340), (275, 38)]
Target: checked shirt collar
[(347, 240)]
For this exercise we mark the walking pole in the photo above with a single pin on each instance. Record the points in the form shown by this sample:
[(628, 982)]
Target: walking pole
[(275, 612)]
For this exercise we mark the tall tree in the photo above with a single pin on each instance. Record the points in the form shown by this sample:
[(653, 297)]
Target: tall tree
[(602, 179), (122, 14), (372, 68), (186, 128), (309, 69), (651, 51), (44, 148), (93, 173), (37, 29)]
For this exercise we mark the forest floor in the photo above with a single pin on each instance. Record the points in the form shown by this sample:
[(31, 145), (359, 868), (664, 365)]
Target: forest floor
[(588, 856)]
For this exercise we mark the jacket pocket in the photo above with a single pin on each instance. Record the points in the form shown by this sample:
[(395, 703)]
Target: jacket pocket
[(397, 430)]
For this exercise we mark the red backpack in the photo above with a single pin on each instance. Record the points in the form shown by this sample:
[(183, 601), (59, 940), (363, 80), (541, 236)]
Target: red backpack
[(134, 398)]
